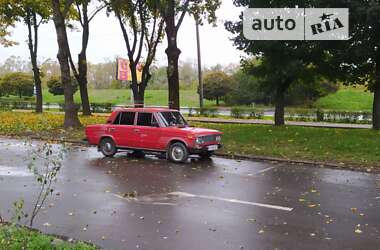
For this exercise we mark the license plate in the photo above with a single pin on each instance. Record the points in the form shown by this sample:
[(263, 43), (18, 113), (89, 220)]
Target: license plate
[(212, 147)]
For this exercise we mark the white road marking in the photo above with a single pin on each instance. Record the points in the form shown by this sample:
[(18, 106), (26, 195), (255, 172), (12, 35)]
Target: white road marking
[(377, 198), (264, 170), (183, 194)]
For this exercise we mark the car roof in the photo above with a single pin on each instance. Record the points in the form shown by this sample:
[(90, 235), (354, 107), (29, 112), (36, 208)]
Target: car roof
[(146, 109)]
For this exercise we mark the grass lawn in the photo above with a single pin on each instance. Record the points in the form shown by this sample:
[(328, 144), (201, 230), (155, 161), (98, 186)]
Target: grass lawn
[(347, 99), (189, 98), (12, 238), (358, 147)]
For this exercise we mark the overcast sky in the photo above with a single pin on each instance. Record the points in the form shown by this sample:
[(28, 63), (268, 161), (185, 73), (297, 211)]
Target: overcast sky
[(106, 41)]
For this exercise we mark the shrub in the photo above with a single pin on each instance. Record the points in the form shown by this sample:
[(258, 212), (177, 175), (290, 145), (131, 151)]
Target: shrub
[(55, 85)]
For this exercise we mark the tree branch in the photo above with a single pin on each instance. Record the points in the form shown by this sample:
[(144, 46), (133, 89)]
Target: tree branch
[(96, 12), (184, 11), (80, 14), (125, 34), (142, 20)]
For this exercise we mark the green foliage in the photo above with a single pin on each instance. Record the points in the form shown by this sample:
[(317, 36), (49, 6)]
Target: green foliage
[(281, 64), (246, 90), (216, 85), (17, 83), (56, 87), (15, 237)]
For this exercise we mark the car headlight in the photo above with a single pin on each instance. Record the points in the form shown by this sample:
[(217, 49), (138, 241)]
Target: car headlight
[(199, 140), (218, 138)]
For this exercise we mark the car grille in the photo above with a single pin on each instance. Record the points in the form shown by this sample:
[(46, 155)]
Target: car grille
[(209, 138)]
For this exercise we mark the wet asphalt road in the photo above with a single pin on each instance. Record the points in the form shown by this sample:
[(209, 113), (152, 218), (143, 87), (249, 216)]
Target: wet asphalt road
[(218, 204)]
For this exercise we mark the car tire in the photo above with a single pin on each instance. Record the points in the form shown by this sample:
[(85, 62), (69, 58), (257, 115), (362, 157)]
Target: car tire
[(206, 155), (108, 147), (178, 152)]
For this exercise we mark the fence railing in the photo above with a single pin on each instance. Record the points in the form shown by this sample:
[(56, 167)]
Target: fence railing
[(315, 115)]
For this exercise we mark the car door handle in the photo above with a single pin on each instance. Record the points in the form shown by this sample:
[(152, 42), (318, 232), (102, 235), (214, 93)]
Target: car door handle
[(136, 130), (112, 129)]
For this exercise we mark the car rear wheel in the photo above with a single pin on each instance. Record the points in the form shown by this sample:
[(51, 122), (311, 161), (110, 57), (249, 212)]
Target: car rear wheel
[(108, 147), (178, 153)]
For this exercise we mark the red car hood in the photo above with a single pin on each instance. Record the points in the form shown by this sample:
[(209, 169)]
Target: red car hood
[(200, 131)]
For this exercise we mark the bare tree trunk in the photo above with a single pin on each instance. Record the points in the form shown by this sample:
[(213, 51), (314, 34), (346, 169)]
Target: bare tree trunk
[(172, 53), (31, 20), (71, 109), (83, 82), (279, 114), (82, 63), (376, 103)]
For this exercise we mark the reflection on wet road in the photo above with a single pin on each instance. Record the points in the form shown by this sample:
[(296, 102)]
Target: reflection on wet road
[(128, 203)]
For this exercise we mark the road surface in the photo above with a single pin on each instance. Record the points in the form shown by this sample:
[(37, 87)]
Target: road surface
[(129, 203)]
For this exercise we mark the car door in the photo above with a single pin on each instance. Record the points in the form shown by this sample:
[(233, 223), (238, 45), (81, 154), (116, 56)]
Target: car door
[(124, 133), (149, 130)]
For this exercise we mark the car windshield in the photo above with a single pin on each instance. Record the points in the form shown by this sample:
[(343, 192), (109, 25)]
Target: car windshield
[(171, 118)]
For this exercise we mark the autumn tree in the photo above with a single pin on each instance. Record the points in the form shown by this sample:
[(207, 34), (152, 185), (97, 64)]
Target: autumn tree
[(217, 85), (173, 12), (84, 16), (17, 83), (141, 26), (32, 14), (60, 11), (4, 30)]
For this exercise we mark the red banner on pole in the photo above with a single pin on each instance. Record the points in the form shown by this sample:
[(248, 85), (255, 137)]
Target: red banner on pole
[(124, 70)]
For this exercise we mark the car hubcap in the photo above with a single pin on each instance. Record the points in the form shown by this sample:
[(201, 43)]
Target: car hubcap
[(107, 147), (178, 153)]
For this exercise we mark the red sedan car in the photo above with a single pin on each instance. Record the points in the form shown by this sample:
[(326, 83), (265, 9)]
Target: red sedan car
[(153, 130)]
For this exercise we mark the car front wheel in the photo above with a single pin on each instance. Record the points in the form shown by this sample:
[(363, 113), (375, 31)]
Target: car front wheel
[(107, 147), (178, 153)]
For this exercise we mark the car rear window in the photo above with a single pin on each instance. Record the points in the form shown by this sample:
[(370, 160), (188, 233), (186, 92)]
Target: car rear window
[(144, 119)]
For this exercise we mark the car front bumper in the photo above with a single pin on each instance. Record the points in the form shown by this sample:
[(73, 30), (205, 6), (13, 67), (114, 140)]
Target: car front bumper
[(204, 149)]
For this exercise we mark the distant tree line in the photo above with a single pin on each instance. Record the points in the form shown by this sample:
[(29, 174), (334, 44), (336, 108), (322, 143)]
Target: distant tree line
[(103, 75), (241, 88)]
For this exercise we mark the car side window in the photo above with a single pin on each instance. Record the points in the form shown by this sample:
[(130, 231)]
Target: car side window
[(127, 118), (145, 119)]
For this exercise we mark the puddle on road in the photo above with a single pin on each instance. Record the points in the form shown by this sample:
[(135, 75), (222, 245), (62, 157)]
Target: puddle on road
[(14, 171)]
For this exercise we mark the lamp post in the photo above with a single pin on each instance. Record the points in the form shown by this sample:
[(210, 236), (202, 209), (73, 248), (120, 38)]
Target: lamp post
[(200, 80)]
